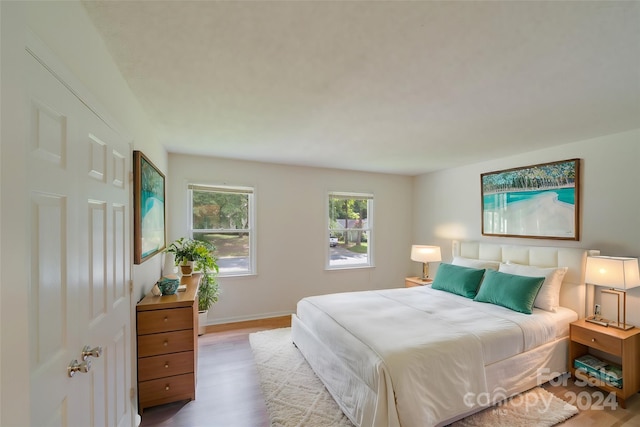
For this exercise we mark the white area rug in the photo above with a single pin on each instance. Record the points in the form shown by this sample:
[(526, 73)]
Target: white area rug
[(535, 408), (295, 397)]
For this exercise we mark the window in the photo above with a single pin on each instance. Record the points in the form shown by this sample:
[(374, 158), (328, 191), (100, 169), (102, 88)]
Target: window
[(349, 239), (223, 216)]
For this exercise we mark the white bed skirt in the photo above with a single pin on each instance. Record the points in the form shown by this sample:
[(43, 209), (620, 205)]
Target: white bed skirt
[(336, 377), (504, 379), (523, 372)]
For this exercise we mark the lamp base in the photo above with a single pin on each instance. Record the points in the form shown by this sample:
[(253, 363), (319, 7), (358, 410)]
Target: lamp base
[(598, 320), (623, 326), (622, 309), (425, 271)]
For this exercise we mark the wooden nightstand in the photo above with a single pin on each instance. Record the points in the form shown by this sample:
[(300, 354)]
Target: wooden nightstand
[(623, 348), (410, 282)]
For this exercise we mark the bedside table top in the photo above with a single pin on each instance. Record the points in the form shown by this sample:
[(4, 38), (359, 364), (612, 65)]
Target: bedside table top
[(618, 333), (419, 281)]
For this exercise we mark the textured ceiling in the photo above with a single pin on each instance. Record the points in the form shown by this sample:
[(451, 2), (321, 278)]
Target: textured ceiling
[(398, 87)]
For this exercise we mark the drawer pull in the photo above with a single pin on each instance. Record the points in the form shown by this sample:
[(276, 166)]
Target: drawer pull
[(166, 343), (166, 387), (166, 365), (593, 340), (166, 319)]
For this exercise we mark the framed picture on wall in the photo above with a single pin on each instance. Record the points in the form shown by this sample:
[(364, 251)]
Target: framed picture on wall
[(539, 201), (148, 209)]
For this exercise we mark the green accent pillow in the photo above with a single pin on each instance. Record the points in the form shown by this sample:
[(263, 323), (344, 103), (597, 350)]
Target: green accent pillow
[(458, 280), (517, 293)]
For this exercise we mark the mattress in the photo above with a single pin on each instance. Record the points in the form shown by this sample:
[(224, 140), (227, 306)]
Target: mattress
[(423, 350)]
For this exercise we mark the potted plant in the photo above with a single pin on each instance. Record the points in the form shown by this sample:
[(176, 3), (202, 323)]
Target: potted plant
[(200, 255), (188, 252), (207, 296)]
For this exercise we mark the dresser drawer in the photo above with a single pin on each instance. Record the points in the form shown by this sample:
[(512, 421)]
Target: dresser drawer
[(597, 340), (168, 342), (165, 390), (166, 365), (174, 319)]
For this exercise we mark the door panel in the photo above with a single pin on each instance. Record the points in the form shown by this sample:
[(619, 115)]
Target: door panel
[(121, 262), (48, 314), (48, 290), (97, 159), (48, 134), (121, 395), (80, 259), (97, 262)]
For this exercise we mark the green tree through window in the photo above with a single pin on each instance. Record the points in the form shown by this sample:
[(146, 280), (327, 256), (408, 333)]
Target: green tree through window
[(350, 222), (222, 216)]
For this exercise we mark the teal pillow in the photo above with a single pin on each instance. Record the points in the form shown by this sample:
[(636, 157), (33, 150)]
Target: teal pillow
[(517, 293), (458, 280)]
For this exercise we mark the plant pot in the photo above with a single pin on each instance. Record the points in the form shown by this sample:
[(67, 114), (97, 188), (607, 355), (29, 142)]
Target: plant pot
[(186, 269), (202, 322)]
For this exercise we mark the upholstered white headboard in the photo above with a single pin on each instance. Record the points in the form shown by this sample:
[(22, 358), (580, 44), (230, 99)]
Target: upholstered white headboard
[(573, 291)]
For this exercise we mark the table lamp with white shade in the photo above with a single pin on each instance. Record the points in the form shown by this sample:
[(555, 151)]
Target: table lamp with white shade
[(618, 274), (425, 255)]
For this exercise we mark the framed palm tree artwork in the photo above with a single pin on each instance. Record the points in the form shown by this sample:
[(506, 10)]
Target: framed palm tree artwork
[(540, 201), (149, 209)]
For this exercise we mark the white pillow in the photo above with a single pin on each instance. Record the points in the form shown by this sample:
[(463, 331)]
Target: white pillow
[(549, 295), (475, 263)]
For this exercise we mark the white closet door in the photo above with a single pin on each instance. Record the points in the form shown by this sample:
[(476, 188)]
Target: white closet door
[(80, 262)]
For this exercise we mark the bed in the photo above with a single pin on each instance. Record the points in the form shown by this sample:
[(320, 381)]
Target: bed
[(427, 357)]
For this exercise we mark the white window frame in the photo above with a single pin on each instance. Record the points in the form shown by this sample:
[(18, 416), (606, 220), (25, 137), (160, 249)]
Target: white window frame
[(370, 230), (251, 227)]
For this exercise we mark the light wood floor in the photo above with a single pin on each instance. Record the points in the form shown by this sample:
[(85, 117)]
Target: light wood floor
[(228, 393)]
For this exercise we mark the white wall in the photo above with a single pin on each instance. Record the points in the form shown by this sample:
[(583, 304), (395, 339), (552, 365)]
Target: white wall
[(13, 298), (450, 200), (291, 227)]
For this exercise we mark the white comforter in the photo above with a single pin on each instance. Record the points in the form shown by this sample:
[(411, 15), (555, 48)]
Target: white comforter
[(418, 350)]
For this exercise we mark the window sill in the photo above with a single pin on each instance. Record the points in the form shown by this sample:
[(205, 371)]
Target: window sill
[(232, 275), (348, 267)]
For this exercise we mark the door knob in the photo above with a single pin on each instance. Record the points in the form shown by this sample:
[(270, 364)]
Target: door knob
[(93, 352), (74, 367)]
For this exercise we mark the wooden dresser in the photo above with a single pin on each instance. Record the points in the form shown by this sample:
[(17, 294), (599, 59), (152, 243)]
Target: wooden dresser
[(167, 332)]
